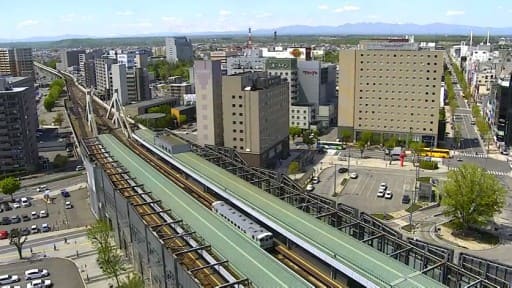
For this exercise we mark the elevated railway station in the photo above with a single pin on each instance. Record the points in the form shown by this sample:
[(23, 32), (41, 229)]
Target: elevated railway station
[(218, 255)]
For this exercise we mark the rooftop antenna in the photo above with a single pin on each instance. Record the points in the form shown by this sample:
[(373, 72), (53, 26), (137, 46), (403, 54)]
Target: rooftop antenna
[(249, 40), (275, 37), (488, 35)]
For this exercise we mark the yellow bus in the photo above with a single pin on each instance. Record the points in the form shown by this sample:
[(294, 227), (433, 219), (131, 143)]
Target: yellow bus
[(435, 153)]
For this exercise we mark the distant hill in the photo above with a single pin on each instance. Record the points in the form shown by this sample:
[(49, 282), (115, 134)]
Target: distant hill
[(66, 41)]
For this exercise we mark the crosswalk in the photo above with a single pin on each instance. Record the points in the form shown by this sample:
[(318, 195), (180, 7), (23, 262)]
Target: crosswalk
[(468, 154), (492, 172)]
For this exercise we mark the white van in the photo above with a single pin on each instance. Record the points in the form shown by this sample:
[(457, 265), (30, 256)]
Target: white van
[(25, 202)]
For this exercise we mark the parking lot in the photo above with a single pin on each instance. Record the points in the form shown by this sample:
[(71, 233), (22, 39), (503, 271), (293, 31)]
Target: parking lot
[(361, 193), (63, 273), (58, 216)]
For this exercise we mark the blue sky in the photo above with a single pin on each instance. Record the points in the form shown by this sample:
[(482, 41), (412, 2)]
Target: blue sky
[(31, 18)]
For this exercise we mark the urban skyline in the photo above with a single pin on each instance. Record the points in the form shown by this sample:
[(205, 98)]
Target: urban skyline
[(121, 18)]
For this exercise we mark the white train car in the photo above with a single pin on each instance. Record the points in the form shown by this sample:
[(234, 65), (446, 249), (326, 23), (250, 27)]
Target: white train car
[(258, 234)]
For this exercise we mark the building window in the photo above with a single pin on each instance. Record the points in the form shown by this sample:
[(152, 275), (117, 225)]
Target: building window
[(233, 105), (241, 139)]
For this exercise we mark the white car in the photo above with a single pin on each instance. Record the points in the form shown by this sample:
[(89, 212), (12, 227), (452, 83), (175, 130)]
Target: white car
[(40, 283), (43, 214), (354, 175), (8, 279), (41, 188), (383, 186), (310, 187), (34, 215), (16, 205), (36, 273), (315, 180), (381, 193), (25, 202), (68, 205), (388, 194)]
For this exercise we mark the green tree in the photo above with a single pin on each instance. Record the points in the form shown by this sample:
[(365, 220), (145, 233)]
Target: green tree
[(416, 148), (60, 161), (457, 135), (48, 103), (111, 262), (294, 131), (9, 186), (475, 111), (51, 63), (132, 281), (58, 119), (17, 240), (293, 168), (472, 196), (99, 234), (391, 142), (346, 135), (308, 138), (182, 119), (331, 57), (366, 136), (484, 129), (361, 145)]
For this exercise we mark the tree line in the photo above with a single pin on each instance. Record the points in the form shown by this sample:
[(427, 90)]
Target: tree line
[(163, 69), (56, 88)]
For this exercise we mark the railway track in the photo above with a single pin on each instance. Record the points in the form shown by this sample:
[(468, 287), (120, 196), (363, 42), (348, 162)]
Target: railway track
[(287, 257)]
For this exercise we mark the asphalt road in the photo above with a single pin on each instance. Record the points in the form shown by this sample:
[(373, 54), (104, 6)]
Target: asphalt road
[(493, 166), (54, 186), (63, 272)]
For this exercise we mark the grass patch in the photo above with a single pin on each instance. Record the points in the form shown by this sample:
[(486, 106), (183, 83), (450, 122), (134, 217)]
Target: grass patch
[(414, 207), (473, 234), (424, 179), (428, 165), (408, 227), (383, 216)]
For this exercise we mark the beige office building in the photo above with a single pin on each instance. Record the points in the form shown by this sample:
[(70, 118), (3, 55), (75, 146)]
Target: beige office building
[(255, 115), (16, 62), (390, 89)]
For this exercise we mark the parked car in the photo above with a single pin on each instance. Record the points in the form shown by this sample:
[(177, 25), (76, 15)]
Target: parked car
[(310, 187), (25, 231), (353, 175), (15, 219), (34, 229), (8, 279), (6, 207), (79, 168), (45, 227), (342, 170), (36, 274), (388, 194), (16, 205), (40, 283), (4, 234), (5, 220), (315, 180), (43, 214), (25, 217), (41, 188), (25, 202), (406, 199), (68, 205), (64, 193), (34, 215)]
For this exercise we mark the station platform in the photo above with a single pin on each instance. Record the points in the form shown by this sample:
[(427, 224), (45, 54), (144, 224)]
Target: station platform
[(243, 254)]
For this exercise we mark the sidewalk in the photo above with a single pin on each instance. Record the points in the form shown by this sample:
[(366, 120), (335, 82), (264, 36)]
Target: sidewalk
[(331, 160), (79, 250)]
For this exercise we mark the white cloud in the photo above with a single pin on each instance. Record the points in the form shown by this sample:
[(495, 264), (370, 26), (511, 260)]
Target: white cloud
[(323, 7), (224, 13), (454, 12), (263, 15), (347, 8), (68, 17), (27, 23), (124, 13)]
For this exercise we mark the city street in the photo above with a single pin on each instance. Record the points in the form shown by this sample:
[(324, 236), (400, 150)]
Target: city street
[(30, 190)]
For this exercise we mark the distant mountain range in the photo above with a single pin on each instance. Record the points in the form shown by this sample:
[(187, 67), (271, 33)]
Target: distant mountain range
[(345, 29)]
